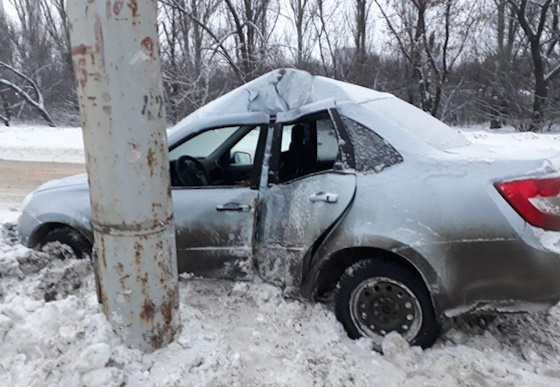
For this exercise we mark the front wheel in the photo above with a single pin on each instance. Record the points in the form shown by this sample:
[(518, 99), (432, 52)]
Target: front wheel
[(374, 298), (80, 246)]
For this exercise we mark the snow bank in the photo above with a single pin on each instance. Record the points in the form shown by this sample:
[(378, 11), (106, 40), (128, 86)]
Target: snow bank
[(8, 213), (232, 333)]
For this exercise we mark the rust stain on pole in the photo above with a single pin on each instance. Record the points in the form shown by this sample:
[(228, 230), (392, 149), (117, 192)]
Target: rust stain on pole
[(118, 6), (123, 120), (148, 45), (133, 5), (79, 50)]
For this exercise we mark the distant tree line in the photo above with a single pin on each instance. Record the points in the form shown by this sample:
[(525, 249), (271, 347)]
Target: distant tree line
[(465, 62)]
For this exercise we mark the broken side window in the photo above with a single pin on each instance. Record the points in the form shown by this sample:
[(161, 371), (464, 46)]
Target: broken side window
[(372, 153)]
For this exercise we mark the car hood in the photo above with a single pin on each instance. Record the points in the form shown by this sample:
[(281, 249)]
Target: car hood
[(76, 181)]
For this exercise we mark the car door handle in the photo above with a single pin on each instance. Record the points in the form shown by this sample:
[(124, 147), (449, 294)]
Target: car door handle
[(234, 207), (326, 197)]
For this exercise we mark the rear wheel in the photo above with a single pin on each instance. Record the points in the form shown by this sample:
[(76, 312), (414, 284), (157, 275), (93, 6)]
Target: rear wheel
[(70, 237), (375, 297)]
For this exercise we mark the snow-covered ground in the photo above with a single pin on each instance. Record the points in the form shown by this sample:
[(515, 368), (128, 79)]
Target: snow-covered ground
[(41, 143), (53, 332)]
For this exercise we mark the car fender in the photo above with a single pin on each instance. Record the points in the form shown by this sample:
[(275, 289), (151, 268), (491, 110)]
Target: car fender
[(341, 252), (43, 223)]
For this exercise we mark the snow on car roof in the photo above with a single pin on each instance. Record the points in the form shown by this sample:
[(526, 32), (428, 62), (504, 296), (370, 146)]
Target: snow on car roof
[(280, 91)]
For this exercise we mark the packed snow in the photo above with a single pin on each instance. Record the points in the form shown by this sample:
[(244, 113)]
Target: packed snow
[(53, 332)]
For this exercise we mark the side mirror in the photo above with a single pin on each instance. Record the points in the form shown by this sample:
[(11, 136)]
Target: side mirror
[(242, 158)]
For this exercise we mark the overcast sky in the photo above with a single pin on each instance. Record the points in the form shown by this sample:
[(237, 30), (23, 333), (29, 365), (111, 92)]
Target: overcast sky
[(6, 6)]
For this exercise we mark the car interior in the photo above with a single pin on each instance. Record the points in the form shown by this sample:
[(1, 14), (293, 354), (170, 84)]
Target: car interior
[(226, 156), (216, 157), (313, 147)]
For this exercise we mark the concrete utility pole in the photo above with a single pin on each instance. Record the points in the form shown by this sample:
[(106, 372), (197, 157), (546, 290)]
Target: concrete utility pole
[(118, 76)]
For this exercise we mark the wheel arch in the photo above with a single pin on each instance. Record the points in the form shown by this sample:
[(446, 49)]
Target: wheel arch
[(41, 231), (332, 269)]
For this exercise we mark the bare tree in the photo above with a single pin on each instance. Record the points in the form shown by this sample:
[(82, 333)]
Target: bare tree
[(56, 26), (33, 98), (186, 50), (330, 36), (218, 38), (301, 14), (360, 36), (431, 36), (539, 22), (32, 43), (6, 57), (40, 49), (499, 70), (250, 29)]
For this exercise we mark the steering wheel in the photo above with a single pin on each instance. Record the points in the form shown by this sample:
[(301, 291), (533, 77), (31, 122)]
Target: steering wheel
[(191, 172)]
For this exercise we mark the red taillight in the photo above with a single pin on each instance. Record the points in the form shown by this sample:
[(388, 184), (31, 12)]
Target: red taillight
[(536, 200)]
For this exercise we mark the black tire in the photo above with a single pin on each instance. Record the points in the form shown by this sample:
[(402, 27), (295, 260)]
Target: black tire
[(375, 297), (70, 237)]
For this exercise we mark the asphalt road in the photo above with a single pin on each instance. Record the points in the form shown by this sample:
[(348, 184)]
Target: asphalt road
[(18, 178)]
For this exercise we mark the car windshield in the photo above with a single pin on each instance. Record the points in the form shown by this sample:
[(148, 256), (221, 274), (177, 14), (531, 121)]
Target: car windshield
[(418, 123), (204, 144)]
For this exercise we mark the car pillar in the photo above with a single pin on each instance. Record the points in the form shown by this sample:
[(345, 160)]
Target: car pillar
[(117, 68)]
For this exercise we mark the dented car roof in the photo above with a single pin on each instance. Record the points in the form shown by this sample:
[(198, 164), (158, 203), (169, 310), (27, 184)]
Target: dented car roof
[(281, 91)]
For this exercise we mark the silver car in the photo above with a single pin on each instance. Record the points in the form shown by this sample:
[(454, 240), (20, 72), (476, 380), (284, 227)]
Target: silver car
[(337, 192)]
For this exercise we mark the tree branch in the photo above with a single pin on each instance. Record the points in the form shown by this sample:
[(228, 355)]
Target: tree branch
[(39, 104)]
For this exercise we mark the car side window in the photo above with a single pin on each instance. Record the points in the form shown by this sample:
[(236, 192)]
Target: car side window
[(216, 157), (307, 146), (372, 153)]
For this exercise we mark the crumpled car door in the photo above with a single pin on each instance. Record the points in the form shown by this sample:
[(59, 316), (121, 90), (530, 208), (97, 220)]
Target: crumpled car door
[(294, 216)]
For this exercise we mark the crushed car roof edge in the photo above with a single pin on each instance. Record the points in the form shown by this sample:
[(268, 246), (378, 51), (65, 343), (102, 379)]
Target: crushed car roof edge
[(282, 90)]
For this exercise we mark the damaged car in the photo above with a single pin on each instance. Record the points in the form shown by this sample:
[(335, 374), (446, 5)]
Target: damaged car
[(339, 193)]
